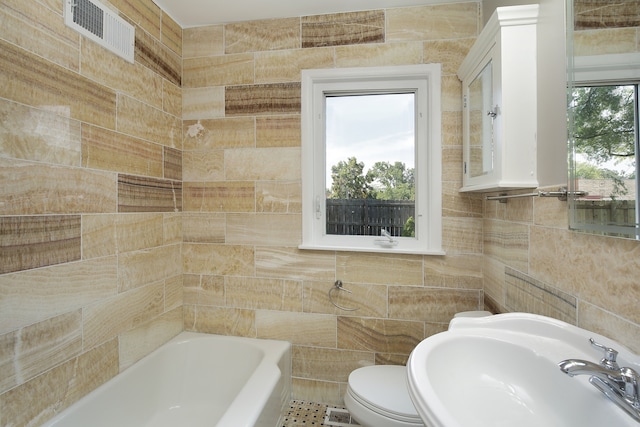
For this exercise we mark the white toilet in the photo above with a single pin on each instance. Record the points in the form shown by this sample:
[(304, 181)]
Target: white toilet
[(377, 396)]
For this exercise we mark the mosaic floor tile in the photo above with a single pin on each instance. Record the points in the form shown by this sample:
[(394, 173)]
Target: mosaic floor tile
[(302, 413)]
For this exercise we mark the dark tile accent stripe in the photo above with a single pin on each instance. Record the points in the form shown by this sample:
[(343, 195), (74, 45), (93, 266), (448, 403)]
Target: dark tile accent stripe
[(592, 14), (277, 98), (32, 80), (158, 57), (37, 241), (524, 293), (343, 29), (140, 194), (172, 163)]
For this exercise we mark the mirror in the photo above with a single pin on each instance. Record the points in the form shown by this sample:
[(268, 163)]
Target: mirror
[(604, 77), (481, 115)]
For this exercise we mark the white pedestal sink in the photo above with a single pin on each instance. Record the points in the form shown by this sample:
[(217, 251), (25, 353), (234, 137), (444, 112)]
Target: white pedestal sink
[(503, 371)]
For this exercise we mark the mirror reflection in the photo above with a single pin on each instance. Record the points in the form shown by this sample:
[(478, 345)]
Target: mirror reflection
[(603, 113), (481, 115)]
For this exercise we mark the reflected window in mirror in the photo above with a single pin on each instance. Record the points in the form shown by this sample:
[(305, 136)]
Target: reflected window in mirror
[(371, 159)]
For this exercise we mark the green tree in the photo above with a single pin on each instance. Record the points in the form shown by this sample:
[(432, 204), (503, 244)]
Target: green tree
[(392, 181), (603, 122), (348, 180)]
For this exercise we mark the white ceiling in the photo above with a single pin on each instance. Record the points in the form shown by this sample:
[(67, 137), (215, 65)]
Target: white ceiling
[(196, 13)]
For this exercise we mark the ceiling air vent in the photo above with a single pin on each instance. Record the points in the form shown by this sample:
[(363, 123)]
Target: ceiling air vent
[(93, 20)]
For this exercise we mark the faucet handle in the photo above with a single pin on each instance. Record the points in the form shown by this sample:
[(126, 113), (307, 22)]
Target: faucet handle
[(610, 355)]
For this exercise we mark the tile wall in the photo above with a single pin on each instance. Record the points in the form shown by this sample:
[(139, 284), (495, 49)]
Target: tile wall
[(90, 204), (241, 195)]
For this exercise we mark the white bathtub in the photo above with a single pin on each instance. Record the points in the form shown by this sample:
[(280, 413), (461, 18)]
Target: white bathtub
[(194, 380)]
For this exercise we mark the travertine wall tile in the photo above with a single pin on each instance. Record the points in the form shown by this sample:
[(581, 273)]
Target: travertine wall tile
[(232, 260), (462, 235), (431, 304), (270, 34), (276, 98), (263, 294), (327, 364), (385, 269), (298, 328), (143, 13), (379, 55), (449, 53), (222, 321), (219, 196), (39, 135), (257, 229), (172, 164), (171, 98), (608, 324), (203, 290), (454, 271), (433, 22), (218, 70), (369, 300), (274, 164), (138, 194), (379, 335), (171, 34), (274, 131), (219, 133), (292, 263), (139, 268), (203, 41), (286, 65), (116, 152), (143, 121), (280, 196), (28, 242), (204, 228), (203, 165), (172, 226), (508, 242), (343, 29), (203, 103), (614, 40)]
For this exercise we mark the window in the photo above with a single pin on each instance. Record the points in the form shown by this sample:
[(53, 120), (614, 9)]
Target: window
[(371, 159), (604, 138)]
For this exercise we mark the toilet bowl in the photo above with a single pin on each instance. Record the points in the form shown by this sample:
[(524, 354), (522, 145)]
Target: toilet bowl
[(377, 396)]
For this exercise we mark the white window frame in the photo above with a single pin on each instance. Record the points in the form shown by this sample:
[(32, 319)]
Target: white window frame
[(425, 81)]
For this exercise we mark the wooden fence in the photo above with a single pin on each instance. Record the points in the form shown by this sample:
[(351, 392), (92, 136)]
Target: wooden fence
[(605, 212), (366, 217)]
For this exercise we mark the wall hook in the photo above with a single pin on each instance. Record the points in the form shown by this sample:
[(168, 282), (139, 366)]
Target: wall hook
[(338, 286)]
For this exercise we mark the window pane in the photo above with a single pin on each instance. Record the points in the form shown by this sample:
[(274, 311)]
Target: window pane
[(605, 141), (370, 164)]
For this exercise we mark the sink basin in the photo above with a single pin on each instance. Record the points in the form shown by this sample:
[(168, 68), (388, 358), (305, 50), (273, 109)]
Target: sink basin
[(503, 371)]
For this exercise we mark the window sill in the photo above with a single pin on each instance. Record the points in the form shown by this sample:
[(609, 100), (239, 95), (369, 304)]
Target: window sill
[(384, 250)]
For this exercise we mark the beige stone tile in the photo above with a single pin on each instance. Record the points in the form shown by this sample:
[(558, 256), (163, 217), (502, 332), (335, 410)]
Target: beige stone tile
[(37, 348), (278, 131), (386, 269), (317, 391), (172, 228), (297, 328), (219, 133), (263, 99), (605, 41), (37, 82), (107, 319), (462, 235), (550, 212), (204, 228), (40, 31), (35, 295), (203, 41), (292, 263), (156, 56), (519, 209), (268, 164), (200, 290), (451, 93), (139, 342), (174, 292), (593, 318), (343, 28), (508, 242), (378, 55), (140, 194), (208, 258), (379, 335), (98, 236), (116, 152), (56, 389), (28, 242), (257, 229), (135, 80), (172, 163), (369, 300), (171, 98), (268, 34), (449, 53), (279, 196), (454, 271), (203, 165), (40, 135), (140, 268), (457, 204), (219, 196), (568, 260), (452, 164), (218, 70), (451, 128), (143, 121), (171, 33), (494, 280), (202, 103), (433, 22), (328, 364), (286, 65), (263, 294), (431, 304), (524, 293), (219, 320)]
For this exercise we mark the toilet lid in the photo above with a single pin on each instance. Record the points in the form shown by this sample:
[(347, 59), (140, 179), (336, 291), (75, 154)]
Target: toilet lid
[(384, 387)]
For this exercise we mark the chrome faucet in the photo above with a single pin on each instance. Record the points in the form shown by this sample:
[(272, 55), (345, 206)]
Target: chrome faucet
[(621, 385)]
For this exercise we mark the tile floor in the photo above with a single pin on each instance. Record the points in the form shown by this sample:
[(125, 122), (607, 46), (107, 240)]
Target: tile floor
[(301, 414)]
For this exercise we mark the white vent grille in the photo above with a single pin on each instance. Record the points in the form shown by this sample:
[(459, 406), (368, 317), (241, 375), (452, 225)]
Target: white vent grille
[(93, 20)]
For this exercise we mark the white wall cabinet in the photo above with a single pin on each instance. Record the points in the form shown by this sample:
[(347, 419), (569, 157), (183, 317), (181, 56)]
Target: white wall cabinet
[(501, 85)]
